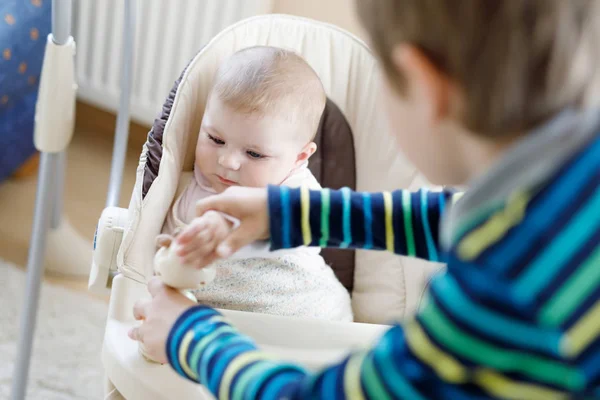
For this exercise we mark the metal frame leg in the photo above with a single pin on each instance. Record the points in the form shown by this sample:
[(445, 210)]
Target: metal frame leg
[(59, 190), (61, 31), (61, 20), (43, 207), (122, 128), (47, 202)]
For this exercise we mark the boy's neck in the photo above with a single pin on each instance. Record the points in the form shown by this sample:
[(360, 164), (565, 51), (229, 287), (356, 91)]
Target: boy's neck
[(480, 154)]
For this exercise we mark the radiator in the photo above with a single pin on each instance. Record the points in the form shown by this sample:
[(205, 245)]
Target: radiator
[(168, 34)]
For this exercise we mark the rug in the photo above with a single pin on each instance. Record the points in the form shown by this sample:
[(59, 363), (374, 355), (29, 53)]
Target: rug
[(66, 361)]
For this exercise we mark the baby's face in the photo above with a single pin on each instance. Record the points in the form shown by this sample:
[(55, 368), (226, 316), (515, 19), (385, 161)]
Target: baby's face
[(246, 150)]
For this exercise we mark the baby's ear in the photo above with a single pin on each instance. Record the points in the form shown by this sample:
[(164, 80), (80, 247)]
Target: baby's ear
[(163, 240), (306, 152)]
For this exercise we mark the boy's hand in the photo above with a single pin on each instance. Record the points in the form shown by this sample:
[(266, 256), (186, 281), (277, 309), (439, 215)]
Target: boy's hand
[(158, 316), (249, 206), (199, 240)]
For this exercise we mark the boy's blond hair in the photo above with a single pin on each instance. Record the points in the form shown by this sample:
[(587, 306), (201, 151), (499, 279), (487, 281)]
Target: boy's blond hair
[(518, 62), (272, 81)]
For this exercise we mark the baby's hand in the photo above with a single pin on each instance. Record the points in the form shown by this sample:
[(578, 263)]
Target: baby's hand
[(199, 240), (249, 206)]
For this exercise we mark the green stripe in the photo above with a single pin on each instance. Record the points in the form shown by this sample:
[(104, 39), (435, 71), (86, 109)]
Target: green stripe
[(482, 353), (573, 292), (408, 228), (324, 218), (374, 388)]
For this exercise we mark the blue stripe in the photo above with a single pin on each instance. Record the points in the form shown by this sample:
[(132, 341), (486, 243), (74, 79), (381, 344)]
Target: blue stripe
[(233, 390), (346, 218), (205, 361), (255, 384), (431, 249), (447, 291), (455, 392), (340, 368), (279, 376), (226, 351), (591, 367), (551, 203), (329, 383), (368, 220), (558, 253), (275, 386), (388, 372), (221, 328), (476, 283), (285, 217), (191, 320), (250, 373)]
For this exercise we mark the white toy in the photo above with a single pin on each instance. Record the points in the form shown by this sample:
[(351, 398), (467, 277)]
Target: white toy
[(173, 273)]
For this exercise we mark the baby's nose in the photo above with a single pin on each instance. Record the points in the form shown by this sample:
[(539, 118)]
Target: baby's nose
[(229, 161)]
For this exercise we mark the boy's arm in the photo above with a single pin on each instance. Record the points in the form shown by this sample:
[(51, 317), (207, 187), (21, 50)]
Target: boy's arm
[(402, 221), (471, 340), (206, 349)]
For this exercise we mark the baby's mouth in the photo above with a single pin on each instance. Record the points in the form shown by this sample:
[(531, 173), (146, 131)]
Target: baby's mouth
[(226, 181)]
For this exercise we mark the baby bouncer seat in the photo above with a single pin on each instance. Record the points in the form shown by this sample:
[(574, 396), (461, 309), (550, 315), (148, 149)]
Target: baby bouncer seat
[(354, 151)]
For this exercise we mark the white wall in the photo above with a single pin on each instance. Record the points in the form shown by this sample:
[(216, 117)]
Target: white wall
[(161, 44), (338, 12)]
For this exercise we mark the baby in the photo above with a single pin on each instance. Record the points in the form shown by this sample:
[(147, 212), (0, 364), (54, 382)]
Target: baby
[(258, 128)]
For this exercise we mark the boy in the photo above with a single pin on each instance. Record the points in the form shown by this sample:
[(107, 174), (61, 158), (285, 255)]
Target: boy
[(498, 95), (262, 114)]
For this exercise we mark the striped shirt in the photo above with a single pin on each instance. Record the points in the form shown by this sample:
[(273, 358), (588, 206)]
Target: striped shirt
[(516, 315)]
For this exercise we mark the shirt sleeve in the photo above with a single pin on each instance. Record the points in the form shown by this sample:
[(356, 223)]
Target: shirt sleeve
[(403, 222), (470, 340)]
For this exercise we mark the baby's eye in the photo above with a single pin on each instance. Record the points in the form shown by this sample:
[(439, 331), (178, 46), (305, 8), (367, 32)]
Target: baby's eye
[(216, 140), (254, 154)]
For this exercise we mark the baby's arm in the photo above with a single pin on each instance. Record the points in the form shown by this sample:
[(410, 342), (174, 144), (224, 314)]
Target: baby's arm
[(201, 237), (401, 221)]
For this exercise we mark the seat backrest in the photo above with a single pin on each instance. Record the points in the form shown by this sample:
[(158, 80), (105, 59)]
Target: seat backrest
[(349, 74)]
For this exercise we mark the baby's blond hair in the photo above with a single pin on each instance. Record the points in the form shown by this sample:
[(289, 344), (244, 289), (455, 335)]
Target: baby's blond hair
[(272, 81)]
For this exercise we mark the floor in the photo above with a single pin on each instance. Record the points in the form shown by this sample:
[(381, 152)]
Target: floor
[(88, 168)]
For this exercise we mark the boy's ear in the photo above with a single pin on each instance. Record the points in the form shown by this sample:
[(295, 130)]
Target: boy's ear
[(426, 83), (306, 152)]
